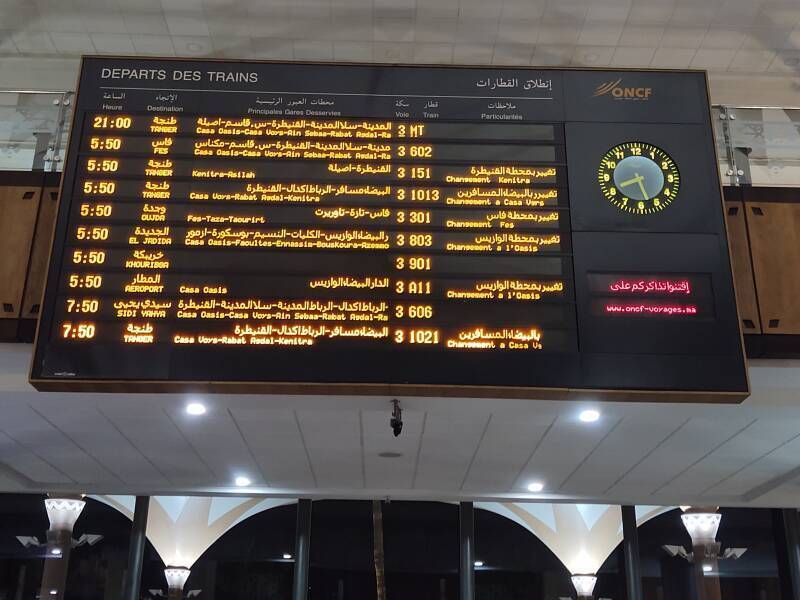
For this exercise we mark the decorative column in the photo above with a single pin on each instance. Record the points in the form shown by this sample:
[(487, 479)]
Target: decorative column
[(702, 524), (62, 512), (176, 579), (584, 585)]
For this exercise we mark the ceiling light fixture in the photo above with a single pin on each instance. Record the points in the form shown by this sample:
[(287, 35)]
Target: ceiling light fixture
[(706, 568), (589, 415), (535, 487), (242, 481), (56, 551), (195, 409), (287, 556), (478, 563)]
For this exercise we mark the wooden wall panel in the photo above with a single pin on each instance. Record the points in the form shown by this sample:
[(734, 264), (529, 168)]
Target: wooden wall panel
[(37, 270), (775, 243), (18, 207), (742, 268)]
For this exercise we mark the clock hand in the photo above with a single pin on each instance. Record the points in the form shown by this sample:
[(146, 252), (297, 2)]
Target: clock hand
[(638, 179), (641, 187)]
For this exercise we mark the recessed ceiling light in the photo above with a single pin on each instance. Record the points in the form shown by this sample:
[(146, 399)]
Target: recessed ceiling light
[(287, 556), (478, 563), (195, 409), (390, 454), (193, 47), (706, 568), (591, 57), (56, 551), (589, 416), (53, 592), (535, 487), (242, 481)]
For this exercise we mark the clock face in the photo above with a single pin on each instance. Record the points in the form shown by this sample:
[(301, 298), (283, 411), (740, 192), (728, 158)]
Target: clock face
[(639, 178)]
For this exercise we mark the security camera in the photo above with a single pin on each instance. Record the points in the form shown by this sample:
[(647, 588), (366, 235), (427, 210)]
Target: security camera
[(396, 422)]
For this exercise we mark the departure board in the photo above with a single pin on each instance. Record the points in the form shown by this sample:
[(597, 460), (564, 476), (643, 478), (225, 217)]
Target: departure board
[(382, 229)]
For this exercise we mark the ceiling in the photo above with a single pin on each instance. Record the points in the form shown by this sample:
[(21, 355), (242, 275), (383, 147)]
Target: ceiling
[(652, 454), (735, 40)]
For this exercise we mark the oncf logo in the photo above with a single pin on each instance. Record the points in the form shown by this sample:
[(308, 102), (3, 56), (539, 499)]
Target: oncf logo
[(620, 92)]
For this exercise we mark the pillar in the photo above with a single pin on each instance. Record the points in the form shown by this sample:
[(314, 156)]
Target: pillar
[(62, 512), (133, 574), (20, 582), (302, 546), (786, 531), (630, 548), (467, 539)]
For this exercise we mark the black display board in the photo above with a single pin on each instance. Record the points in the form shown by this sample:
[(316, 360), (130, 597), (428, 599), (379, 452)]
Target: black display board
[(335, 228)]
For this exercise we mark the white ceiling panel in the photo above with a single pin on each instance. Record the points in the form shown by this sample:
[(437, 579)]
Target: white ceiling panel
[(333, 441), (357, 51), (505, 450), (156, 437), (693, 13), (752, 61), (766, 469), (28, 464), (113, 43), (391, 472), (448, 447), (72, 43), (678, 58), (724, 37), (618, 453), (641, 35), (690, 444), (150, 24), (275, 440), (33, 42), (218, 442), (88, 429), (754, 442), (716, 59), (566, 445), (104, 21), (155, 45), (592, 56), (650, 13), (630, 57), (33, 432), (60, 20)]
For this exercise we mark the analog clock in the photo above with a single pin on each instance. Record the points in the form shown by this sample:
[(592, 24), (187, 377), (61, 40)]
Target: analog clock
[(639, 178)]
